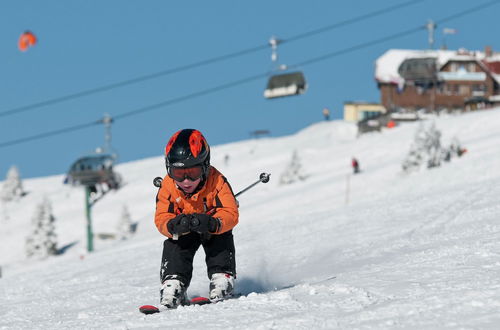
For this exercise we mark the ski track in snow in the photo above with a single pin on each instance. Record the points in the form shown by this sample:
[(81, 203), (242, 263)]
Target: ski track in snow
[(417, 251)]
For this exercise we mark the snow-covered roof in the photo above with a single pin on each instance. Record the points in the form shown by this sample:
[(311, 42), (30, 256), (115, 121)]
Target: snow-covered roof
[(386, 66), (494, 58)]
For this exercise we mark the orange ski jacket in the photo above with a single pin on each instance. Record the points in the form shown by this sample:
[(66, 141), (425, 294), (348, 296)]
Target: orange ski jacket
[(215, 198)]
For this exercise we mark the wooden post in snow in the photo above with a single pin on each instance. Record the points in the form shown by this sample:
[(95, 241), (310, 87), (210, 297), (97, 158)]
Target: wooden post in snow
[(347, 188)]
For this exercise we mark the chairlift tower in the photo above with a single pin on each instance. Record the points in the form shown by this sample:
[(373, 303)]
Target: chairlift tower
[(95, 173), (431, 27), (107, 120)]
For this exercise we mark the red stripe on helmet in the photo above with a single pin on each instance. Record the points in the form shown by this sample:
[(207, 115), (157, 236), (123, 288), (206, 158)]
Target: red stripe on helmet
[(171, 142), (196, 142)]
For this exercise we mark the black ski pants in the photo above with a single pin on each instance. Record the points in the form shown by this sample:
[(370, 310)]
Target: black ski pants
[(178, 255)]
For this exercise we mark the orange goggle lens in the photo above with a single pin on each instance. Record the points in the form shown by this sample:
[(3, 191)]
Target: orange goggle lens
[(180, 174)]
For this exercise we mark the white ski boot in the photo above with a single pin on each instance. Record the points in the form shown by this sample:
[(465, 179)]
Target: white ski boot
[(173, 293), (221, 286)]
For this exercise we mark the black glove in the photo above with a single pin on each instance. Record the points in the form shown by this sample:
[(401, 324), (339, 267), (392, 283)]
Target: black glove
[(179, 225), (203, 223)]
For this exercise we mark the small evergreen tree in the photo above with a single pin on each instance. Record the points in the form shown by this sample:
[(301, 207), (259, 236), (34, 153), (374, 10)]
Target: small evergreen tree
[(425, 148), (293, 171), (433, 147), (12, 187), (43, 240), (124, 227)]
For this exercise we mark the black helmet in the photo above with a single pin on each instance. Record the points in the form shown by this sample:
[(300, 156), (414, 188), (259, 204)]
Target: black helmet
[(187, 148)]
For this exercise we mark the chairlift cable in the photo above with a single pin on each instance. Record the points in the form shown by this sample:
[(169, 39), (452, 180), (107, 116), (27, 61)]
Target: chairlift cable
[(191, 96), (50, 133), (136, 111), (357, 47), (186, 67), (393, 36), (467, 11), (349, 21)]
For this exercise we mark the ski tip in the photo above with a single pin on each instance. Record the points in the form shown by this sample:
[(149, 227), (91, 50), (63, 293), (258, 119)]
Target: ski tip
[(200, 301), (148, 309)]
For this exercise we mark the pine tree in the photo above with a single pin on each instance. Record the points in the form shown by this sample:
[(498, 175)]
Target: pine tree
[(425, 148), (43, 240), (293, 171), (12, 187), (433, 147), (124, 227)]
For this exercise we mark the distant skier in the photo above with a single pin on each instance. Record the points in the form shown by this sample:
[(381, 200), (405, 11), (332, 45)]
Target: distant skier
[(326, 114), (355, 165), (195, 206)]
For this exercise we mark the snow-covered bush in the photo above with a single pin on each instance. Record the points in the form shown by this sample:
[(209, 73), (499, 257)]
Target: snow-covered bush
[(433, 147), (456, 148), (12, 188), (427, 149), (42, 241), (293, 172), (124, 227)]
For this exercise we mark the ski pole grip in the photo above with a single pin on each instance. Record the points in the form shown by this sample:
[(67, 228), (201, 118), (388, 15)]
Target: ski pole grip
[(264, 177), (157, 182)]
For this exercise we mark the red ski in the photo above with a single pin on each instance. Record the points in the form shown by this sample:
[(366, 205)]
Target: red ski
[(200, 301), (150, 309)]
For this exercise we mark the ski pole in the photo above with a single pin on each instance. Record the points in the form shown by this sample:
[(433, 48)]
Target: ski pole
[(264, 178)]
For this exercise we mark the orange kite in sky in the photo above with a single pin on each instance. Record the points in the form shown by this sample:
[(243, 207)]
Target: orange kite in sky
[(26, 40)]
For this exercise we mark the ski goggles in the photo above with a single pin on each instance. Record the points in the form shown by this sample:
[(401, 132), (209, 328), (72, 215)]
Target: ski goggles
[(180, 174)]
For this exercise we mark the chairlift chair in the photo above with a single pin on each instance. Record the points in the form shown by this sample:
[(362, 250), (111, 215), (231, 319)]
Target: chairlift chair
[(285, 84), (92, 170)]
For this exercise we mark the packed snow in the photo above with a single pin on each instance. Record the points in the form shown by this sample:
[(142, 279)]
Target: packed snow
[(378, 250)]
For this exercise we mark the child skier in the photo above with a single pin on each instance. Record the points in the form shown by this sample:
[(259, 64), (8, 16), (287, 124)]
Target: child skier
[(194, 206)]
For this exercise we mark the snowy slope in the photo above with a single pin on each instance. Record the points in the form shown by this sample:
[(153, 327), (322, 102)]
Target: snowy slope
[(417, 251)]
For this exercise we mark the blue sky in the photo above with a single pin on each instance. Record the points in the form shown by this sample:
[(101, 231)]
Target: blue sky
[(89, 44)]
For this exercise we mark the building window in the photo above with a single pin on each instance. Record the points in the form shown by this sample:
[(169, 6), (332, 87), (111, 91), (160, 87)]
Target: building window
[(464, 89), (479, 89), (451, 89), (368, 114)]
